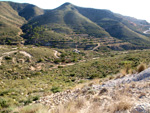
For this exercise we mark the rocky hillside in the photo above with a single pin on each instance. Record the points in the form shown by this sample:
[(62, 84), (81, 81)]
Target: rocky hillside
[(126, 94)]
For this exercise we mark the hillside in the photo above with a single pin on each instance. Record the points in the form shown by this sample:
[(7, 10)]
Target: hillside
[(68, 26), (30, 72), (12, 17), (67, 16), (123, 94), (69, 19), (122, 27), (28, 11), (10, 23)]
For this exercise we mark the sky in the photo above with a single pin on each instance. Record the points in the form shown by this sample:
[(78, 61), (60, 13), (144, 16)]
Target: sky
[(139, 9)]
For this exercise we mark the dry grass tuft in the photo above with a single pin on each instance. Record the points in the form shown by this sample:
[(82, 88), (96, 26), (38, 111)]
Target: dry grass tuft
[(142, 94), (80, 103), (118, 76), (121, 106), (68, 108), (123, 72), (37, 108), (141, 67), (71, 107), (90, 84), (102, 91), (131, 71), (111, 77), (126, 70), (96, 99), (94, 108)]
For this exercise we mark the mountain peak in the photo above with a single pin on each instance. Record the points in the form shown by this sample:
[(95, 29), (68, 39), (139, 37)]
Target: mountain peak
[(66, 4)]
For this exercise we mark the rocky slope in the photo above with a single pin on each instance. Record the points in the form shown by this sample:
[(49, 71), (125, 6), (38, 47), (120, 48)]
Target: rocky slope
[(128, 94)]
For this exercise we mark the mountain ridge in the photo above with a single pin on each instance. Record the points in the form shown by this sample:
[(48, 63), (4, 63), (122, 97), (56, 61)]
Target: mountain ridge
[(69, 19)]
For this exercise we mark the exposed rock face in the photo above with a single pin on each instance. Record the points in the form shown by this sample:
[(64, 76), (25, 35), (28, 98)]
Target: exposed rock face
[(144, 75), (141, 108)]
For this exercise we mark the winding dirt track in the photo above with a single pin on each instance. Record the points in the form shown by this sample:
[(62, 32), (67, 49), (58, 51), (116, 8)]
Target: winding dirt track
[(70, 64), (11, 52), (146, 32), (6, 54), (55, 53), (29, 56), (96, 47), (25, 54)]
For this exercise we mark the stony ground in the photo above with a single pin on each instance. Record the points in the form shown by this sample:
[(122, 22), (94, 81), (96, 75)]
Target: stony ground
[(128, 94)]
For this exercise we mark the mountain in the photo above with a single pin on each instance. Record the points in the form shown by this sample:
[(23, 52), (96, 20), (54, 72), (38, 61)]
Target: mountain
[(10, 23), (121, 27), (70, 25), (12, 17), (28, 11), (68, 16)]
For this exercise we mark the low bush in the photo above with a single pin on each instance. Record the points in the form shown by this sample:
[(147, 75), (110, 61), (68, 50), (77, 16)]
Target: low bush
[(141, 67), (3, 103), (57, 61), (35, 98), (60, 66), (41, 60), (8, 58), (55, 89), (28, 101)]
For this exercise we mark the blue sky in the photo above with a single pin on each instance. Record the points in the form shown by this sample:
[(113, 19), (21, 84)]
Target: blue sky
[(139, 9)]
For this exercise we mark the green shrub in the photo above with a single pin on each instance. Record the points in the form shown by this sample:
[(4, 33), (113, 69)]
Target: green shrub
[(93, 76), (5, 92), (8, 58), (35, 98), (55, 89), (28, 101), (3, 103), (57, 61), (72, 75), (6, 111), (73, 79), (37, 73), (41, 60), (81, 81), (51, 66), (60, 66), (75, 60)]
